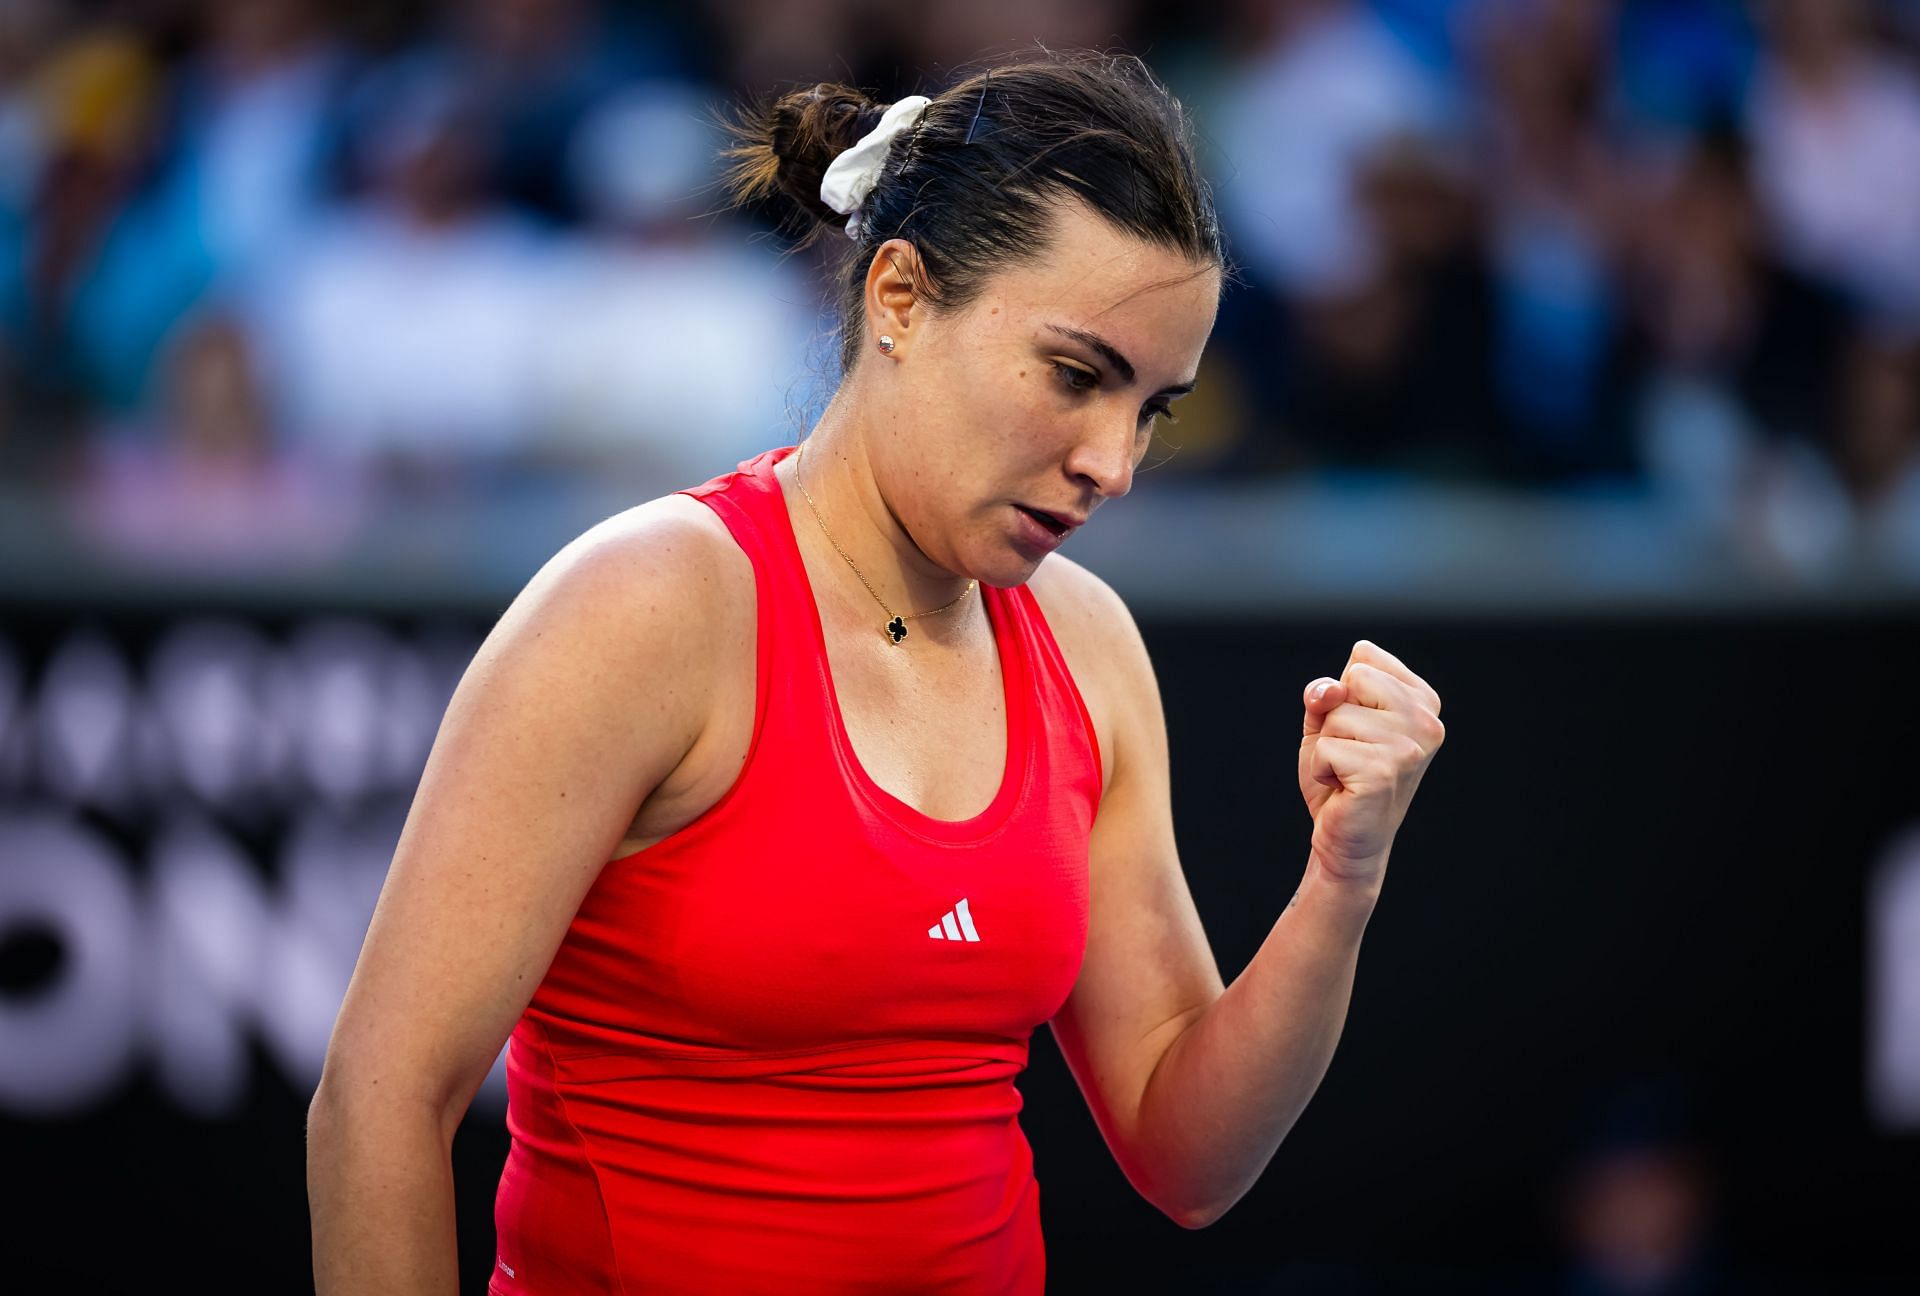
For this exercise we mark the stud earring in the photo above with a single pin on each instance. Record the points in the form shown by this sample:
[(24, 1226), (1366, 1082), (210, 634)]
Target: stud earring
[(886, 344)]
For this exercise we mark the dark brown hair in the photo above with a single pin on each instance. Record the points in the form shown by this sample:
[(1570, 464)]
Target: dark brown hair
[(975, 184)]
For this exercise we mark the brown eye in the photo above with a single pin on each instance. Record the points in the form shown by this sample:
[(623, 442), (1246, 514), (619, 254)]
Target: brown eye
[(1073, 372)]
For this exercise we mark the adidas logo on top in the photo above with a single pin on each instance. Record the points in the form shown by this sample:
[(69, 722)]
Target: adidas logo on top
[(948, 929)]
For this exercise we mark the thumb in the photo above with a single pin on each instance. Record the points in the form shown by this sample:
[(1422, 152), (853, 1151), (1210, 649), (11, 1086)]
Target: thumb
[(1321, 696)]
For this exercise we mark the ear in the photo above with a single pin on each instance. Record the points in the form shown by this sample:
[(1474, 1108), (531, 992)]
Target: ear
[(891, 293)]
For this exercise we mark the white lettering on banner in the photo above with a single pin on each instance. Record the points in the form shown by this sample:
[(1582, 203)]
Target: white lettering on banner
[(68, 1043), (82, 723), (182, 952), (211, 686), (343, 711), (1893, 978), (362, 719), (186, 968), (228, 957)]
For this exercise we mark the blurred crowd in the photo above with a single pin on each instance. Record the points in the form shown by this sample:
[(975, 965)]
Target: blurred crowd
[(264, 260)]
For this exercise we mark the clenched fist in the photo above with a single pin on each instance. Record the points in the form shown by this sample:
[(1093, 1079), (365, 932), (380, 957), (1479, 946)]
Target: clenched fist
[(1366, 740)]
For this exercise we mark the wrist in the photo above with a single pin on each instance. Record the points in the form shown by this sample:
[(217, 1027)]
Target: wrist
[(1358, 882)]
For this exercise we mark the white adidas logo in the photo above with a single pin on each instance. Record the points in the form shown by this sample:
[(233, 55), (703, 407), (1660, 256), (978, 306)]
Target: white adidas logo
[(947, 929)]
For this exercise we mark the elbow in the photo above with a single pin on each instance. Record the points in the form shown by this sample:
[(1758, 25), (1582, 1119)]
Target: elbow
[(1190, 1216), (1188, 1203), (342, 1106), (1196, 1219)]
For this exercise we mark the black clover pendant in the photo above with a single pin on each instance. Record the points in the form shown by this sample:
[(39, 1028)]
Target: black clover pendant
[(897, 628)]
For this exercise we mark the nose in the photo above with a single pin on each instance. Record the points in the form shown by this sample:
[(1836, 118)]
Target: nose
[(1106, 459)]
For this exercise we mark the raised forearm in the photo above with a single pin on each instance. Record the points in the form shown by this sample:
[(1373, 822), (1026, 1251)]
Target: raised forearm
[(1232, 1084), (380, 1190)]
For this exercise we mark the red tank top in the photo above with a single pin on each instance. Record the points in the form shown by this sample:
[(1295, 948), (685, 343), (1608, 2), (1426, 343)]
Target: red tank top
[(776, 1051)]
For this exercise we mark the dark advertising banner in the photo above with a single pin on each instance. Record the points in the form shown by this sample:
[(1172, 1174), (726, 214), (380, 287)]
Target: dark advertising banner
[(1643, 986)]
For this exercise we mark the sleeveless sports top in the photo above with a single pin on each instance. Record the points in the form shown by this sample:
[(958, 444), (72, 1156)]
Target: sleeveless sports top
[(775, 1052)]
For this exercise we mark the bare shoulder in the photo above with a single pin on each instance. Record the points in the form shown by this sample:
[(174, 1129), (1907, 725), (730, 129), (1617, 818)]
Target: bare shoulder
[(1102, 646), (584, 699), (1078, 604), (637, 602), (669, 563), (675, 534)]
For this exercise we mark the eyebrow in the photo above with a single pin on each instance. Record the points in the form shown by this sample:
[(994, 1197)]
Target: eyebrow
[(1114, 358)]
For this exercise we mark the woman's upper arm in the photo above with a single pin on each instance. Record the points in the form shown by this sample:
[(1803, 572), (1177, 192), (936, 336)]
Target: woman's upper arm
[(1148, 969), (585, 695)]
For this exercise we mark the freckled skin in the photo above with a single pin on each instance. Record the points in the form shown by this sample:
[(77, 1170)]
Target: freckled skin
[(918, 459)]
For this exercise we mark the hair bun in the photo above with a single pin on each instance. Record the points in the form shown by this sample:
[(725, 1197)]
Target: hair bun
[(786, 146), (978, 182)]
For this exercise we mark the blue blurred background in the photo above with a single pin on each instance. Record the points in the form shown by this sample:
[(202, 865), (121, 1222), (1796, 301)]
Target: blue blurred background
[(1547, 298), (1577, 362)]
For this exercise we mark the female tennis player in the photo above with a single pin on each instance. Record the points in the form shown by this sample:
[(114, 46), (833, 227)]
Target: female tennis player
[(776, 812)]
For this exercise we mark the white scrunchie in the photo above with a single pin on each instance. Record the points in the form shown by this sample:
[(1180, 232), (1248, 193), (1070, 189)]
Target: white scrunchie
[(852, 175)]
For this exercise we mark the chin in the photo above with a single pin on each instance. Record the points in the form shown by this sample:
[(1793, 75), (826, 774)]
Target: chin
[(1014, 571), (1003, 564)]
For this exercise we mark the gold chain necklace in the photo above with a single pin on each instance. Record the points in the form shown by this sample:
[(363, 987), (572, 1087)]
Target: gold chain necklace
[(896, 627)]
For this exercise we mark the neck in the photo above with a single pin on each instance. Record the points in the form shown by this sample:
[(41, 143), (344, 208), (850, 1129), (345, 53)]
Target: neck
[(837, 473)]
